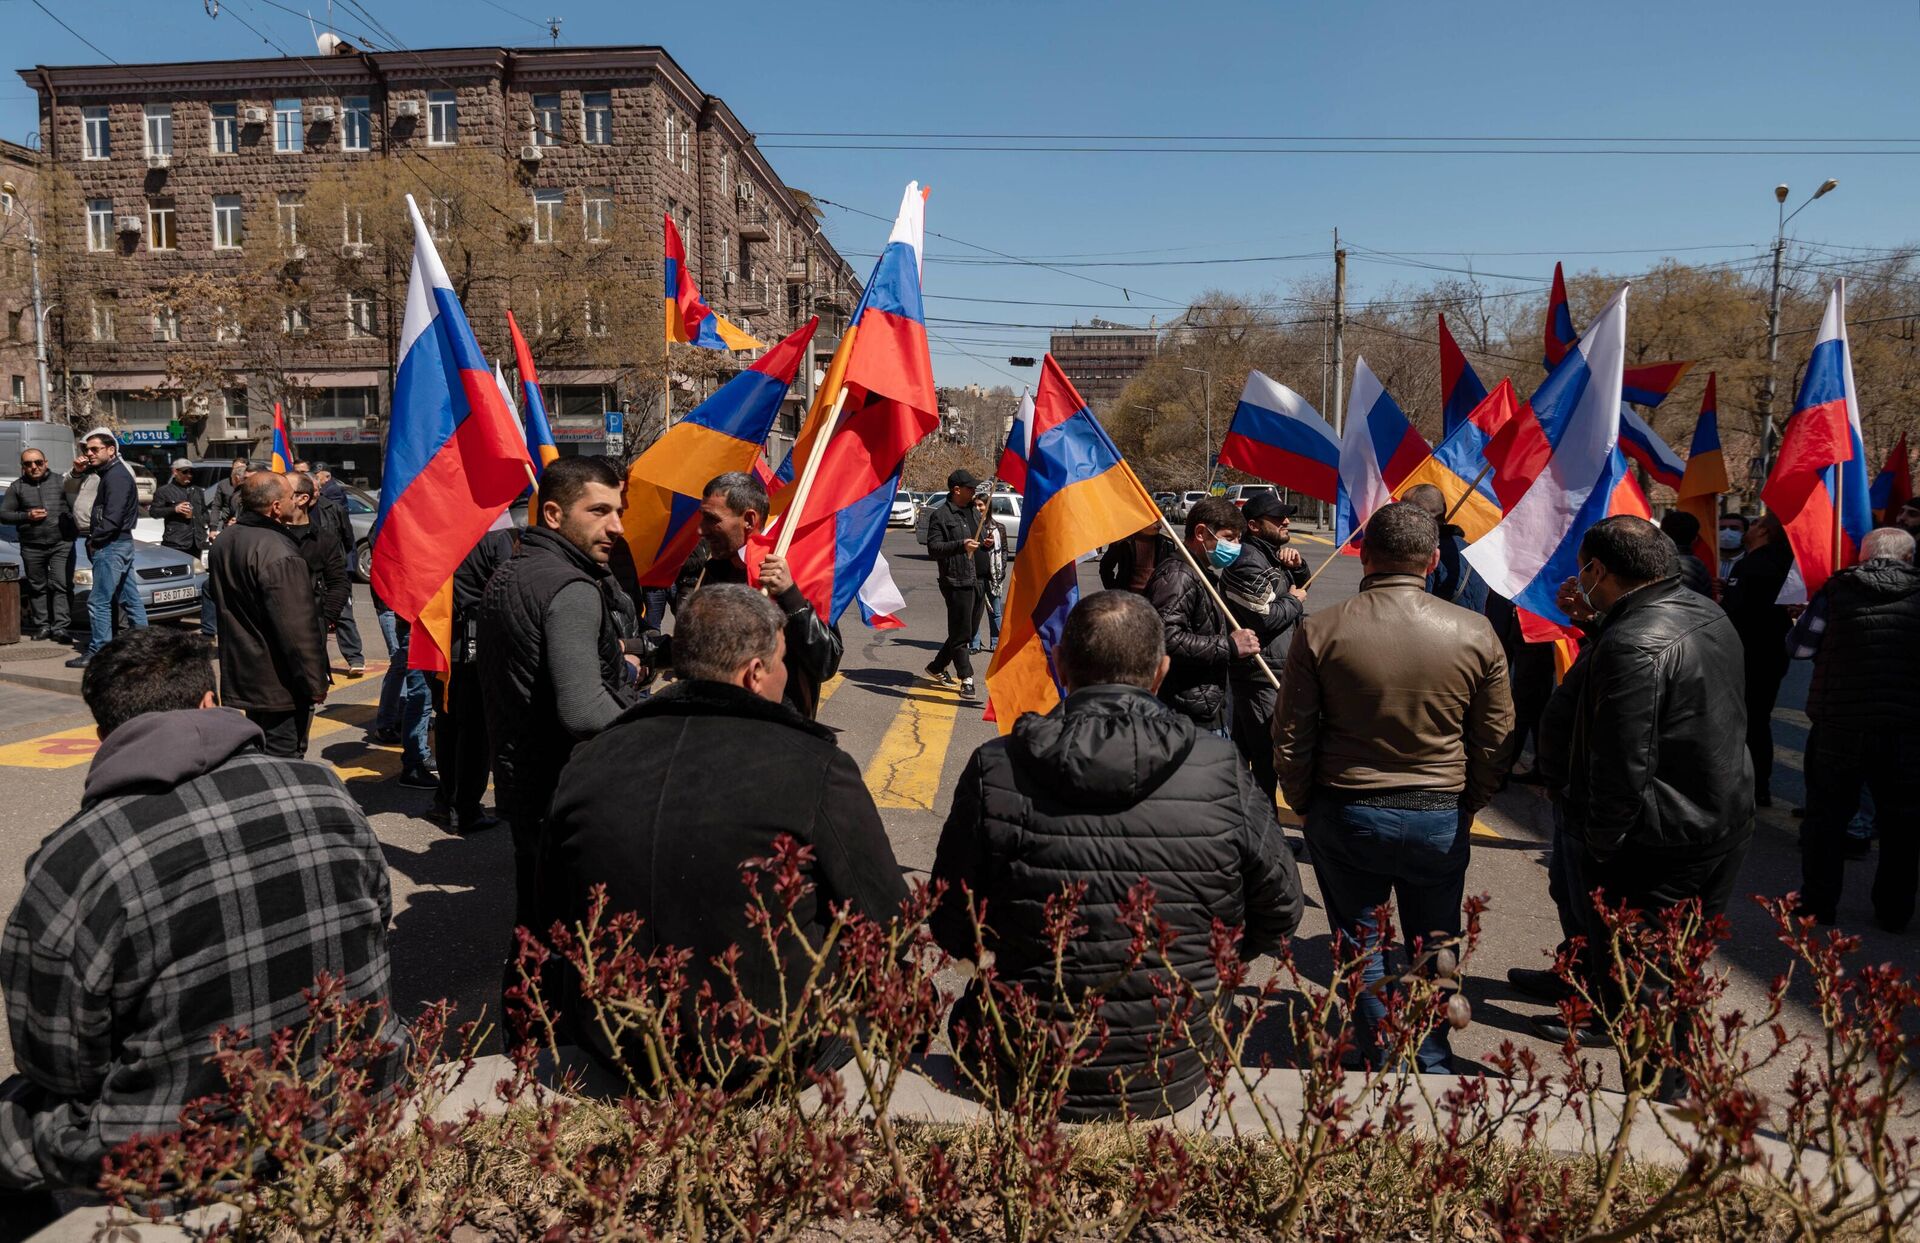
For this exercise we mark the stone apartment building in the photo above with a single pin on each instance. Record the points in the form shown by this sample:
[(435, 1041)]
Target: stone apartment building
[(1102, 357), (19, 376), (157, 173)]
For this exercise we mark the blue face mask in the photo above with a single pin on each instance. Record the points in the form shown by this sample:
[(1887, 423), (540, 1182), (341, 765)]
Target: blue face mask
[(1223, 553)]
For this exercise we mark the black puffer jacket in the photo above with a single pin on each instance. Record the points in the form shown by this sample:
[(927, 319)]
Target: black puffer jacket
[(1197, 642), (1259, 590), (1111, 787), (1866, 674), (1659, 762), (948, 531)]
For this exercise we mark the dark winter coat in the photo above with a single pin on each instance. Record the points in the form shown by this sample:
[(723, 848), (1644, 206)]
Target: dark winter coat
[(1259, 590), (1866, 673), (1753, 585), (948, 530), (49, 494), (665, 805), (273, 652), (1110, 788), (1454, 579), (1197, 643), (1659, 746), (189, 534), (116, 506), (320, 548), (813, 647)]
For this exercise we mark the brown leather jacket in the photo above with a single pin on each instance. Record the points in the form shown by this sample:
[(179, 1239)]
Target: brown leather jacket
[(1393, 690)]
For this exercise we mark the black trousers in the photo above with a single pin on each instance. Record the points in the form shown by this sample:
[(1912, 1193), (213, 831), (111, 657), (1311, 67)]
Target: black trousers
[(1253, 736), (286, 731), (460, 743), (1531, 678), (49, 572), (1763, 690), (1840, 762), (960, 627)]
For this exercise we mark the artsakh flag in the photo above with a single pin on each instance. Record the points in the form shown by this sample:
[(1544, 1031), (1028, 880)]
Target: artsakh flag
[(689, 319), (1460, 387), (1893, 486), (455, 457), (1080, 495), (723, 433), (1818, 487), (886, 370), (1706, 477)]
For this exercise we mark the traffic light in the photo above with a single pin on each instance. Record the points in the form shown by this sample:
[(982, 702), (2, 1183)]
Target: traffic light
[(1024, 362)]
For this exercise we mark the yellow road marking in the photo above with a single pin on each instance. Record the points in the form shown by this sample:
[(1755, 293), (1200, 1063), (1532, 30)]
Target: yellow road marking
[(70, 748), (828, 687), (1313, 539), (1793, 716), (1788, 757), (905, 771)]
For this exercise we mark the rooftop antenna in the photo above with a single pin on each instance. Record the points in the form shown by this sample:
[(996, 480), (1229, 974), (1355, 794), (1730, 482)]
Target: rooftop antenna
[(553, 28)]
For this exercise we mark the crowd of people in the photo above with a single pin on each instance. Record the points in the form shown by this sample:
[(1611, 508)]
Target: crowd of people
[(210, 874)]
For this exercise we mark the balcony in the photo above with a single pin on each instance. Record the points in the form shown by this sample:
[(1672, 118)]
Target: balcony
[(756, 223)]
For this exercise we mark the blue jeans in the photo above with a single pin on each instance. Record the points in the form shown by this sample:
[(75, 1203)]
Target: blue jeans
[(405, 697), (113, 582), (1366, 857)]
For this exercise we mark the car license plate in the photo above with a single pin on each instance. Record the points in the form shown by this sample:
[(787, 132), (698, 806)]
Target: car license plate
[(173, 595)]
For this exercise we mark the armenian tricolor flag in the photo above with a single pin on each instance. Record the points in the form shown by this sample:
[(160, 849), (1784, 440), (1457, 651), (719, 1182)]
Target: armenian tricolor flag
[(1460, 387), (1080, 494), (1459, 465), (540, 446), (689, 319), (282, 458), (1893, 486), (1706, 477), (1646, 385), (455, 457), (723, 433)]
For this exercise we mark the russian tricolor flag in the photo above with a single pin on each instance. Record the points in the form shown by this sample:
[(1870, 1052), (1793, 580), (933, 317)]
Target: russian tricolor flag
[(1819, 487), (455, 456), (1276, 436), (1640, 442), (1381, 448), (1013, 459), (1565, 443), (1646, 385)]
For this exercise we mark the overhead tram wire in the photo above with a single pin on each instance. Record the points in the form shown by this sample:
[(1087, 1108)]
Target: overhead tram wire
[(1687, 152), (1512, 138)]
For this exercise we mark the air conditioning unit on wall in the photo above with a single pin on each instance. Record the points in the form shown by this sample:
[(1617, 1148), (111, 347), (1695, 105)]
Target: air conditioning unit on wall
[(533, 154), (406, 108), (254, 116), (129, 224), (159, 161), (744, 191), (321, 112)]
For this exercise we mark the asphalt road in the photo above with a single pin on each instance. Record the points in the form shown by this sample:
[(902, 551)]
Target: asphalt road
[(452, 896)]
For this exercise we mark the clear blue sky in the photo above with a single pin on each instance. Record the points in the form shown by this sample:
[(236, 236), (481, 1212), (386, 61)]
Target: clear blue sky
[(1725, 73)]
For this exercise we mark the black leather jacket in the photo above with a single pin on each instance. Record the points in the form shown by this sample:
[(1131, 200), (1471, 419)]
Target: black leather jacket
[(948, 531), (1197, 642), (1658, 756), (1259, 590), (813, 647)]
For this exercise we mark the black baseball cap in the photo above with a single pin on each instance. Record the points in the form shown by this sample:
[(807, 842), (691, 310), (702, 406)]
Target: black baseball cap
[(963, 478), (1268, 505)]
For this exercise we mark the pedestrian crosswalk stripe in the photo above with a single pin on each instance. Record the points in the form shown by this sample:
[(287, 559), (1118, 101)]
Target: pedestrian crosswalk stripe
[(1792, 716), (905, 772), (1787, 757)]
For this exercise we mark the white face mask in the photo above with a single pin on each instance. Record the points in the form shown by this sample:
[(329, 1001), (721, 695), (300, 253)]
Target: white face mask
[(1730, 539)]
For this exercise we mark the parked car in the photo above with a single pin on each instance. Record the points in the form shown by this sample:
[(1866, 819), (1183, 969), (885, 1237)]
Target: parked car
[(1186, 503), (170, 583), (1241, 493), (362, 508), (905, 511)]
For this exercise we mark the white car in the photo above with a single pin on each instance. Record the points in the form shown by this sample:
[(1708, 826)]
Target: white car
[(1005, 508), (905, 511), (1186, 503)]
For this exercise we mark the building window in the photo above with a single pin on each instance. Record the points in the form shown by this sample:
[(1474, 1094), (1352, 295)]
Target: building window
[(160, 234), (233, 412), (15, 320), (594, 314), (143, 412), (725, 250), (225, 327), (360, 313), (99, 224), (726, 173), (443, 119), (546, 214), (166, 324), (99, 134), (226, 222), (546, 120), (596, 117), (439, 218), (599, 214), (101, 318), (353, 226), (20, 388), (338, 407), (296, 318), (679, 142), (288, 133), (356, 130), (287, 212), (223, 136), (159, 129)]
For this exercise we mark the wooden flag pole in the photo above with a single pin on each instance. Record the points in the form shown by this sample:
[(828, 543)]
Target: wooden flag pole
[(1258, 659), (790, 519), (1471, 489)]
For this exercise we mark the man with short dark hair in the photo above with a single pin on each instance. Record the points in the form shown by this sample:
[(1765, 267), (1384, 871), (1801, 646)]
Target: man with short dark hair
[(1683, 529), (37, 504), (666, 804), (224, 506), (1862, 632), (1908, 519), (732, 509), (953, 536), (1266, 589), (1112, 787), (552, 668), (1454, 579), (201, 887), (330, 511), (1733, 541), (1394, 729), (1752, 602), (1202, 643), (116, 509), (1659, 801), (182, 509), (273, 658)]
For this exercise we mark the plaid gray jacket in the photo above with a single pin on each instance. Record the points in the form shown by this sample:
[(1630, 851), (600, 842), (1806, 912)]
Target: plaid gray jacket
[(154, 918)]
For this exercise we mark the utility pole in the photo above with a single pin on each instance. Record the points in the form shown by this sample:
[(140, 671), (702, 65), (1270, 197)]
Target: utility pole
[(1773, 316), (39, 325), (1339, 326)]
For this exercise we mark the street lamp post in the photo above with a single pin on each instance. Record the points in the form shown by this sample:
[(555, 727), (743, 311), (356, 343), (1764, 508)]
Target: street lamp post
[(39, 313), (1206, 383), (1773, 316)]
